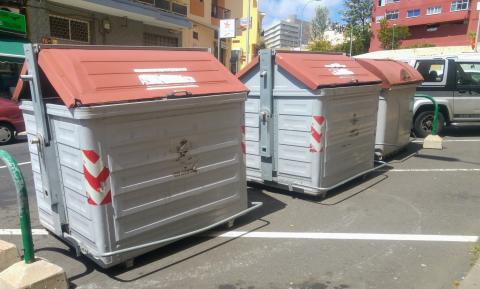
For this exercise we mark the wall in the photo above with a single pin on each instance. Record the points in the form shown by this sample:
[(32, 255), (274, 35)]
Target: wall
[(123, 31)]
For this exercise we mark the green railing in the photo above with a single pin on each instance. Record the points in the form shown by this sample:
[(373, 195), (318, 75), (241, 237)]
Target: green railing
[(22, 198)]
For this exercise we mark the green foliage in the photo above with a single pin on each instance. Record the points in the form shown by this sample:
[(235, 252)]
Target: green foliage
[(387, 37), (357, 15), (319, 23), (320, 45), (419, 45)]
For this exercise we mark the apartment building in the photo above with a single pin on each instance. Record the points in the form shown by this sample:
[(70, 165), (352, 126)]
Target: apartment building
[(437, 22), (240, 11), (282, 34), (108, 22)]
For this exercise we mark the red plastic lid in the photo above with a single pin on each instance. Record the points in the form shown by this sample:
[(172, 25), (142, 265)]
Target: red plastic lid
[(318, 70), (83, 77), (392, 72)]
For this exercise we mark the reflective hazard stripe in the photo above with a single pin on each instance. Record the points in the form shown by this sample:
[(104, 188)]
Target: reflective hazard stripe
[(316, 133), (96, 179)]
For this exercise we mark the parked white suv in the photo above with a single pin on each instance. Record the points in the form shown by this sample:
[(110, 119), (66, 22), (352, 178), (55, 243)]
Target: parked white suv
[(454, 82)]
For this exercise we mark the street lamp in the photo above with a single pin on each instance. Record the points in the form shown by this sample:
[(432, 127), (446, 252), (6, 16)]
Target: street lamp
[(393, 36), (301, 20)]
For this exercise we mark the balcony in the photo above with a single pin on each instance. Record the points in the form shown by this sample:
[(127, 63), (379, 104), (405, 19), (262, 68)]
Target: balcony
[(220, 12), (168, 6)]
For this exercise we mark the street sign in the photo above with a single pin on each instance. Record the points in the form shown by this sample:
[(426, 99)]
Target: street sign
[(12, 22), (227, 28)]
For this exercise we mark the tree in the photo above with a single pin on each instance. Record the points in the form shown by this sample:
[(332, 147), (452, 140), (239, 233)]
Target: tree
[(389, 36), (319, 23), (320, 45), (357, 15)]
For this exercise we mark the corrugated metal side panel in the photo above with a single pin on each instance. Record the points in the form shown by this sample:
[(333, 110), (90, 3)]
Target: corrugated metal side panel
[(174, 172), (395, 115), (67, 133), (252, 136), (294, 121), (351, 118), (44, 209)]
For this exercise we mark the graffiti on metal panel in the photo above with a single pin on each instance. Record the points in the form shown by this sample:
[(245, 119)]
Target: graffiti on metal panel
[(187, 162)]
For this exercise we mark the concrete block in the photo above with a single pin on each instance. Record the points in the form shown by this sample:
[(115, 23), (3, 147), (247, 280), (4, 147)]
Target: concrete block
[(433, 142), (8, 255), (37, 275)]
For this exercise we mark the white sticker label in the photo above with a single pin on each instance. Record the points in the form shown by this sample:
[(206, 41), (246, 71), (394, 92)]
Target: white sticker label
[(159, 79), (339, 69)]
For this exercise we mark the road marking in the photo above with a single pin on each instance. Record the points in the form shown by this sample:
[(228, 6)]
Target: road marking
[(431, 170), (17, 232), (452, 140), (349, 236), (20, 164)]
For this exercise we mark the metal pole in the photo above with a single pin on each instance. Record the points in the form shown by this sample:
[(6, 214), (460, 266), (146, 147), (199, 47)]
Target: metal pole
[(351, 40), (219, 47), (247, 50), (22, 199), (393, 37), (476, 35)]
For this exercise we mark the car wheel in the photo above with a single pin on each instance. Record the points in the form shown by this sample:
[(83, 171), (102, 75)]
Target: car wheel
[(423, 123), (7, 134)]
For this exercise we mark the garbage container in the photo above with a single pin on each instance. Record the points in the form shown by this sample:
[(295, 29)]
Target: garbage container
[(395, 108), (133, 148), (310, 120)]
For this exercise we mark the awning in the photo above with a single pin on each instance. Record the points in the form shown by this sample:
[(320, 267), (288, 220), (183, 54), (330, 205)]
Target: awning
[(11, 49)]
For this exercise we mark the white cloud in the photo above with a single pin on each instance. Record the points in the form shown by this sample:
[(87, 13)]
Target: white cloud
[(281, 9)]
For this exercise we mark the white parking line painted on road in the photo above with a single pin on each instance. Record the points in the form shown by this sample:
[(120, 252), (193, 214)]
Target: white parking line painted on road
[(349, 236), (431, 170), (17, 232), (452, 140), (20, 164)]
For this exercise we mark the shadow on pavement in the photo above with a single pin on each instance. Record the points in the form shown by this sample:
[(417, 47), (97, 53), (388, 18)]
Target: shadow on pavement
[(270, 205), (462, 130)]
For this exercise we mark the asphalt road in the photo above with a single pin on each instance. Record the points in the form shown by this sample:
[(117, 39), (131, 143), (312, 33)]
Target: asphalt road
[(423, 194)]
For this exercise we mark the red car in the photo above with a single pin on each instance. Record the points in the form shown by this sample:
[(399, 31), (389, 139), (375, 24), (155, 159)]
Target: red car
[(11, 121)]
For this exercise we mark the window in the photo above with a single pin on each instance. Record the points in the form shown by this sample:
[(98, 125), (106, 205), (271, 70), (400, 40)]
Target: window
[(468, 74), (159, 40), (69, 29), (431, 70), (459, 5), (434, 10), (413, 13), (195, 35), (392, 15)]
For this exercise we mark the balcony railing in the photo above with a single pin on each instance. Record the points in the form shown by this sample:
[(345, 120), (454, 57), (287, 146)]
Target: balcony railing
[(221, 12), (167, 5)]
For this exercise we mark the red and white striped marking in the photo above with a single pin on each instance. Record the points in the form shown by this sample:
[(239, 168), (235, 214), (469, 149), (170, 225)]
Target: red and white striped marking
[(316, 131), (244, 146), (96, 179)]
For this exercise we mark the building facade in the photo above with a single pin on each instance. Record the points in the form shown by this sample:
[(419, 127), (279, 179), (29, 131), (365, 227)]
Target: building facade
[(437, 22), (108, 22), (282, 34), (240, 9)]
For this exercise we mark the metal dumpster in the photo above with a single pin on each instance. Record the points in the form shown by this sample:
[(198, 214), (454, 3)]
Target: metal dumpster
[(395, 108), (133, 148), (310, 120)]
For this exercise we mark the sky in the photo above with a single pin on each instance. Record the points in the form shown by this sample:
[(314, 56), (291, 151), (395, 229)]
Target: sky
[(281, 9)]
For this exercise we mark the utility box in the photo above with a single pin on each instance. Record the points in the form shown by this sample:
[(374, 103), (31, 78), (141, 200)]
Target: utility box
[(310, 120), (395, 108), (133, 148)]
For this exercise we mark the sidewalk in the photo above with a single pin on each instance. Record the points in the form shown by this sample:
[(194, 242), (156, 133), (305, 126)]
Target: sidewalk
[(472, 280)]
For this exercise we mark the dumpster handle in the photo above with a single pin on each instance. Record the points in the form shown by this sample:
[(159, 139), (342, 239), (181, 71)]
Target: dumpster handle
[(382, 164), (22, 199), (435, 112), (255, 205)]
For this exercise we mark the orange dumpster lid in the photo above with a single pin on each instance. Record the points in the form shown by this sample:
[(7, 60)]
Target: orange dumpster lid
[(392, 72), (90, 76), (318, 70)]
